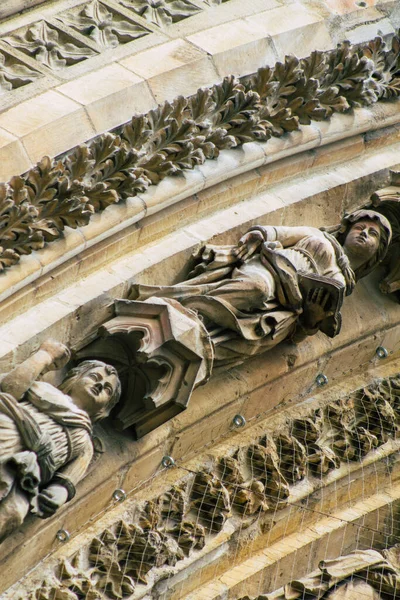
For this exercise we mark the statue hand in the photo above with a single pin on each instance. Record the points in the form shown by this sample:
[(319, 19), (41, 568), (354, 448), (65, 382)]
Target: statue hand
[(314, 308), (50, 499), (249, 244), (59, 354)]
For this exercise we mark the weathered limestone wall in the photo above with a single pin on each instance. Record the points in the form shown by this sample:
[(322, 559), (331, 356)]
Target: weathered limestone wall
[(345, 508), (66, 290)]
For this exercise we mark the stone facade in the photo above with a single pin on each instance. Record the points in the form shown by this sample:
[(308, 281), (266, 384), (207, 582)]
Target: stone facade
[(211, 478)]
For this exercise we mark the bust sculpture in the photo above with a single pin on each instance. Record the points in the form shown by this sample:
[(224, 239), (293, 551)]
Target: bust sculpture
[(45, 431), (278, 283)]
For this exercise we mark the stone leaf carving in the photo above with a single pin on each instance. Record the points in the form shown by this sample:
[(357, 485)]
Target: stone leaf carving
[(292, 457), (14, 74), (248, 480), (315, 437), (49, 46), (264, 463), (102, 24), (210, 498), (189, 536), (48, 431), (184, 133), (386, 66), (162, 12), (36, 210)]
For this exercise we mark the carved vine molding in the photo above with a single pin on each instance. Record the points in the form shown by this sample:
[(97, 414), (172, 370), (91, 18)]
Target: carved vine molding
[(250, 480), (35, 208)]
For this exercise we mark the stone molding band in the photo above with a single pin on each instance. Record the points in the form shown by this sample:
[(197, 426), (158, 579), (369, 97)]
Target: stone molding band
[(249, 480), (177, 136)]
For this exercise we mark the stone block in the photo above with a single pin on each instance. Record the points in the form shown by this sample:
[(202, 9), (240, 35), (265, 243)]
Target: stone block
[(296, 31), (168, 220), (47, 124), (238, 47), (364, 33), (233, 162), (142, 470), (340, 151), (13, 157), (182, 70), (111, 96), (70, 244), (25, 271), (341, 126), (171, 190), (306, 138), (27, 331), (277, 171), (224, 194), (115, 217)]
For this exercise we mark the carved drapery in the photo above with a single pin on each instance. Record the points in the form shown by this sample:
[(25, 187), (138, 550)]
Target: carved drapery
[(362, 574), (252, 479), (35, 208)]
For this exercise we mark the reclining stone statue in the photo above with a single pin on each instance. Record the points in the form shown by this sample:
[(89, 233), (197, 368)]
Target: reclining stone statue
[(278, 283), (45, 432)]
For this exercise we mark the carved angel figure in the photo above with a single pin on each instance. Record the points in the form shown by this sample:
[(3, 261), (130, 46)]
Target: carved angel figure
[(278, 283), (46, 432)]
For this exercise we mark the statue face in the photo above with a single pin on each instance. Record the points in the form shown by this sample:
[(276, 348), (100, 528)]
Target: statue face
[(363, 239), (93, 391)]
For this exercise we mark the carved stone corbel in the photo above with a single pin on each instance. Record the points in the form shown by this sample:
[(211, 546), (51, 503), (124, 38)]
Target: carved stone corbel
[(157, 349)]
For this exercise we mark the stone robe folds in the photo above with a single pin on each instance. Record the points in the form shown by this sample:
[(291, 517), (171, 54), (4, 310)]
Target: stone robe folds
[(249, 308), (361, 575), (39, 437)]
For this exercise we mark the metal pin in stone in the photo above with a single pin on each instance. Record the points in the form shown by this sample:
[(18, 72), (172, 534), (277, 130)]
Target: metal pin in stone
[(321, 380), (63, 535), (119, 495), (167, 462), (381, 352), (239, 421)]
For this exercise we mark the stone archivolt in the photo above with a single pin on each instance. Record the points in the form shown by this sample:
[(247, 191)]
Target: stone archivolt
[(35, 208), (248, 480), (361, 574)]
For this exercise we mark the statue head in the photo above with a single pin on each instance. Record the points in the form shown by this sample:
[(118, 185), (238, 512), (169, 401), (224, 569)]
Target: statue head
[(365, 235), (94, 387)]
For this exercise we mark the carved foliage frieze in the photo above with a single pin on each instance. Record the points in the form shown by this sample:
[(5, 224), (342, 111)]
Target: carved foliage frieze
[(104, 25), (162, 12), (179, 135), (14, 74), (250, 479), (49, 45)]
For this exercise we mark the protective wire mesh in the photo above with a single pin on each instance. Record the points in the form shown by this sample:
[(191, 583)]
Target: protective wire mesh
[(251, 500)]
